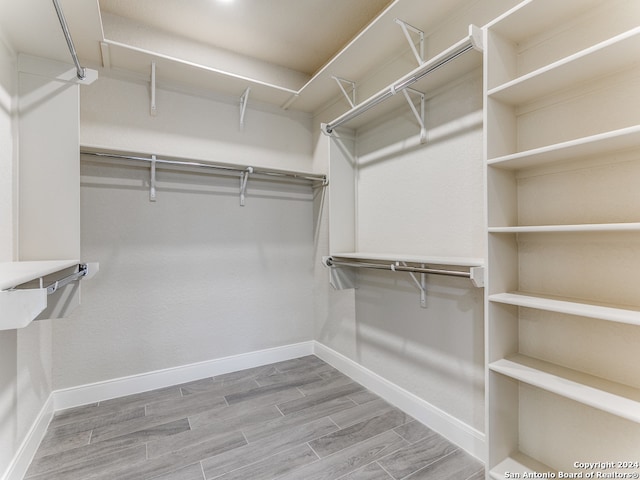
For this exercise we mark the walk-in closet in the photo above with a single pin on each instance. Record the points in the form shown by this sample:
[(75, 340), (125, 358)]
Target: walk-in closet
[(319, 239)]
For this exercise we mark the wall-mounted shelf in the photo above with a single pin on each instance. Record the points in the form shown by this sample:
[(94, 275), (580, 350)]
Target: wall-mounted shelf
[(342, 266), (20, 306), (611, 397)]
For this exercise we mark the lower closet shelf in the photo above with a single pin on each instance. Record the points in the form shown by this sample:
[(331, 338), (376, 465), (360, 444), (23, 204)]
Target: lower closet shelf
[(569, 306), (615, 398), (519, 463)]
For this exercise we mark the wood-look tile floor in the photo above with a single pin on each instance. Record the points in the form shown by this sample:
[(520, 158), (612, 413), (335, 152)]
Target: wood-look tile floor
[(294, 420)]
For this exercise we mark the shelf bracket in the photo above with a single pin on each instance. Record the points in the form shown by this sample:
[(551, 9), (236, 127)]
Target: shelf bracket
[(476, 275), (244, 99), (419, 115), (405, 29), (351, 97), (152, 108), (421, 284), (152, 180), (244, 178)]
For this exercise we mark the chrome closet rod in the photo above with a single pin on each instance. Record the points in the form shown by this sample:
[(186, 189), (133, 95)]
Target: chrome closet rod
[(401, 84), (331, 262), (230, 168), (67, 35)]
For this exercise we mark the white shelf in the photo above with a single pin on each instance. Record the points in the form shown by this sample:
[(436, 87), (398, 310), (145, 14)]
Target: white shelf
[(391, 257), (531, 17), (608, 56), (622, 139), (13, 274), (587, 227), (571, 307), (518, 463), (615, 398)]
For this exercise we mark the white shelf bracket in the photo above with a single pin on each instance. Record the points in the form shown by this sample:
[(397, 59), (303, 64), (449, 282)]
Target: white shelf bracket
[(350, 96), (244, 99), (421, 284), (419, 115), (152, 180), (244, 178), (152, 108), (476, 275), (405, 29)]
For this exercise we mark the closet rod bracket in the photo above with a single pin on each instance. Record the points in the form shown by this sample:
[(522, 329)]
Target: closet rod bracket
[(405, 29), (244, 178), (419, 115), (350, 96), (244, 99)]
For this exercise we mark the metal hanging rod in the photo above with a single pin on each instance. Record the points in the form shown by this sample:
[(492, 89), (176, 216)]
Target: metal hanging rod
[(473, 41), (216, 166), (67, 35), (396, 267), (82, 272)]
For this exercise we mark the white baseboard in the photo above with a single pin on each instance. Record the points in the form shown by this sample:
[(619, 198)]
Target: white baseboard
[(454, 430), (20, 463), (118, 387)]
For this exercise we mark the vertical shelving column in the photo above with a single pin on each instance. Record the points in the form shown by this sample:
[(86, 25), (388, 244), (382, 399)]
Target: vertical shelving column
[(562, 96)]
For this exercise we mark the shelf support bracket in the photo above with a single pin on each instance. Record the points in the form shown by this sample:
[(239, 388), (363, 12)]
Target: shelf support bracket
[(244, 178), (351, 97), (476, 275), (244, 99), (152, 180), (419, 115), (421, 284), (405, 29), (152, 108)]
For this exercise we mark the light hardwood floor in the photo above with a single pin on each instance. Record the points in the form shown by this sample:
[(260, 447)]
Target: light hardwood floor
[(294, 420)]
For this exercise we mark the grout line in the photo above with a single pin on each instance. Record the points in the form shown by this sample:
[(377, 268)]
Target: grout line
[(204, 476), (429, 464), (384, 469), (314, 452)]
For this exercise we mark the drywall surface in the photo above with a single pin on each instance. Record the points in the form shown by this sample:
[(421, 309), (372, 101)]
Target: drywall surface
[(192, 276), (8, 94)]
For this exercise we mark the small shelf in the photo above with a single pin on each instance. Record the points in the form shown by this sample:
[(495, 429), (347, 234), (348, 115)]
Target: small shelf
[(518, 463), (608, 56), (615, 398), (587, 227), (13, 274), (20, 306), (615, 140), (390, 257), (569, 306)]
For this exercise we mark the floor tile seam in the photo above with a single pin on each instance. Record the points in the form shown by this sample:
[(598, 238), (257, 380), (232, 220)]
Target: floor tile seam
[(264, 459), (66, 423), (204, 475), (382, 412), (481, 469), (385, 470), (437, 460)]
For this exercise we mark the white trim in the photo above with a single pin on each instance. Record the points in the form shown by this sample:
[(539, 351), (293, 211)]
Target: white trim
[(454, 430), (95, 392), (25, 453)]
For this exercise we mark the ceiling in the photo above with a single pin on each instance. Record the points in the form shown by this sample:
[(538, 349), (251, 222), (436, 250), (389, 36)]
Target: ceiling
[(286, 51)]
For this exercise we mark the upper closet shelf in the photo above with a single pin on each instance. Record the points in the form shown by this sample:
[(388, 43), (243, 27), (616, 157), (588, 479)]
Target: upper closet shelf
[(19, 306), (609, 56), (430, 70), (615, 140), (569, 306), (471, 268)]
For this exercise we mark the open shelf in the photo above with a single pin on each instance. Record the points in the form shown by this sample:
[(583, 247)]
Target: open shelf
[(608, 56), (391, 257), (615, 398), (518, 463), (13, 274), (622, 139), (587, 227), (610, 313)]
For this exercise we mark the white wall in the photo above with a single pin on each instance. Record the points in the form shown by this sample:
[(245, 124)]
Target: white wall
[(193, 276), (423, 200)]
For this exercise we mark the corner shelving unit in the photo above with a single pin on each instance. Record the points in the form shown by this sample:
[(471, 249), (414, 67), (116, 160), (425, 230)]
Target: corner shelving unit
[(562, 140)]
